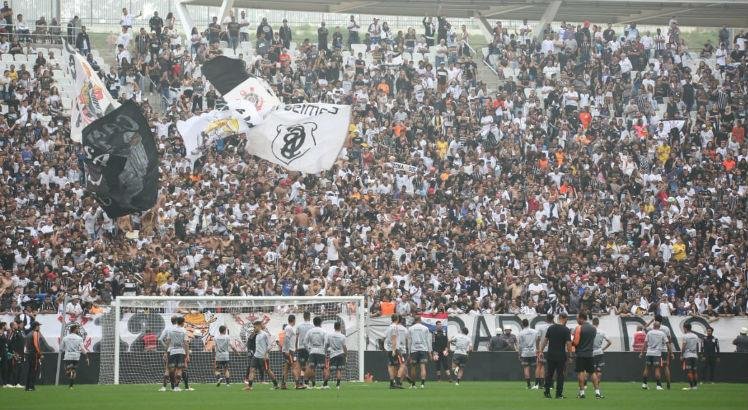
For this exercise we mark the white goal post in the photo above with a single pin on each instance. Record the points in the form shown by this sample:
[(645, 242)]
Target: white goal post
[(131, 353)]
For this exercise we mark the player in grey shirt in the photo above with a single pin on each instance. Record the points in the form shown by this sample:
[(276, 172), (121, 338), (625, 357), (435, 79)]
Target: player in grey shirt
[(290, 362), (597, 353), (527, 341), (302, 353), (259, 359), (223, 351), (420, 346), (338, 353), (690, 356), (463, 346), (72, 347), (316, 341), (395, 361), (653, 346), (542, 328), (178, 352), (667, 352)]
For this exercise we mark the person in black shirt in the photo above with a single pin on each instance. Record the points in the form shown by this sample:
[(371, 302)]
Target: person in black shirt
[(584, 337), (233, 30), (337, 39), (15, 347), (265, 30), (214, 31), (441, 351), (33, 356), (709, 352), (558, 340), (322, 33), (284, 32), (156, 23), (3, 355)]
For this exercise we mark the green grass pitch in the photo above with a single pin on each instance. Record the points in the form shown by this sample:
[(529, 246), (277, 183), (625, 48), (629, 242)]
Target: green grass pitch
[(351, 396)]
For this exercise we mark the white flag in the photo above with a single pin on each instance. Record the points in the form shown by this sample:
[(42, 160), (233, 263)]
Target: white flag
[(91, 99), (203, 130), (301, 137), (253, 99)]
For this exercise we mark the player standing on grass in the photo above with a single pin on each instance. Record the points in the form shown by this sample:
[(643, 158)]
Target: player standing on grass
[(463, 346), (558, 341), (302, 352), (584, 338), (690, 356), (72, 346), (440, 352), (420, 346), (597, 355), (667, 352), (316, 341), (179, 353), (223, 353), (527, 341), (542, 328), (394, 358), (259, 359), (338, 354), (290, 363), (654, 343), (33, 355), (162, 338), (402, 346)]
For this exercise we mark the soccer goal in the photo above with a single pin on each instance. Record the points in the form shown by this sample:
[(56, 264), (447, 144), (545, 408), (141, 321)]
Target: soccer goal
[(132, 353)]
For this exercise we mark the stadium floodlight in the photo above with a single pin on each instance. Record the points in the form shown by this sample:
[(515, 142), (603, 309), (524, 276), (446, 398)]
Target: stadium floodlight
[(131, 351)]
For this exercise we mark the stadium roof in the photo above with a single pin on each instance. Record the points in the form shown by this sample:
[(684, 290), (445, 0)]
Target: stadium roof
[(733, 13)]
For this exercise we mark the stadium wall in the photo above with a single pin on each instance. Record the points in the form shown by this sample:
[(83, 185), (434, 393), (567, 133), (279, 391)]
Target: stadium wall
[(494, 366)]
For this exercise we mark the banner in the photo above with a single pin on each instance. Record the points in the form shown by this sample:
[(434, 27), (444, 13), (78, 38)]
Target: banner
[(204, 324), (301, 137), (398, 166), (121, 164), (91, 98), (619, 329)]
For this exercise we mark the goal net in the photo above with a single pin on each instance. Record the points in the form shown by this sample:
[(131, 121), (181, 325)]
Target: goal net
[(131, 352)]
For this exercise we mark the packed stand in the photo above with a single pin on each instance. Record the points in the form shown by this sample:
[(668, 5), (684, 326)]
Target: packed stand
[(562, 190)]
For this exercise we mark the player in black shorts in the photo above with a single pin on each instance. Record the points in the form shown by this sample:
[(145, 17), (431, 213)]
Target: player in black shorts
[(440, 351), (583, 341)]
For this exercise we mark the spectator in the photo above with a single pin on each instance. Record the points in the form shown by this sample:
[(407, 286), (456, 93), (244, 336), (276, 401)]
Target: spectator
[(285, 34), (322, 33), (264, 30), (353, 31), (741, 342), (214, 31), (156, 24), (82, 42)]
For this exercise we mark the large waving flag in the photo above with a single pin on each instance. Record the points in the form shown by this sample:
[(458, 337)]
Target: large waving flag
[(92, 99), (301, 137), (429, 320), (121, 164), (251, 98), (201, 131)]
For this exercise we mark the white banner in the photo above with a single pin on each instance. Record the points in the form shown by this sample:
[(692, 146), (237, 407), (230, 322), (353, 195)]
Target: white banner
[(91, 99), (619, 329), (398, 166), (301, 137)]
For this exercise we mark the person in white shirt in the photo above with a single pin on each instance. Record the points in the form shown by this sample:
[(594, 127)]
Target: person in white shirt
[(124, 37), (72, 347), (721, 57), (127, 19), (74, 307)]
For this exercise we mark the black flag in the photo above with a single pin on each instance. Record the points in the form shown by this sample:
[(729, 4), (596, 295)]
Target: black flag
[(225, 73), (121, 163)]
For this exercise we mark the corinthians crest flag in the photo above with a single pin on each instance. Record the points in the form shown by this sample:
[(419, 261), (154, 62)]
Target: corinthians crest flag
[(250, 98), (121, 164), (91, 99), (301, 137)]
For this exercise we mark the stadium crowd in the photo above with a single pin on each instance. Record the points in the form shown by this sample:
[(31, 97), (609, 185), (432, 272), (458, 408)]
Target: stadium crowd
[(567, 188)]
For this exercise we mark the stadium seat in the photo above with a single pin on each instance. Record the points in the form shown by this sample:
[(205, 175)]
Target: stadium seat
[(8, 58), (42, 50), (66, 102)]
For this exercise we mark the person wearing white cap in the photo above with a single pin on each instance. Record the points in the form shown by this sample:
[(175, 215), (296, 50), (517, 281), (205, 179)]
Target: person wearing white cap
[(741, 342)]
